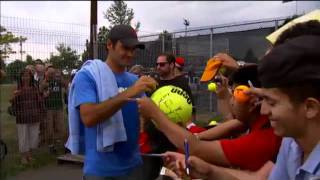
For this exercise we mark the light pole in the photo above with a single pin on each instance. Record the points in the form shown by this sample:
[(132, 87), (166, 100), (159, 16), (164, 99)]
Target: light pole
[(93, 29), (186, 23)]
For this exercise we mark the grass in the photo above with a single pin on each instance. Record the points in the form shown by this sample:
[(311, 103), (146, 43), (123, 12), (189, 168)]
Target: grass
[(11, 165)]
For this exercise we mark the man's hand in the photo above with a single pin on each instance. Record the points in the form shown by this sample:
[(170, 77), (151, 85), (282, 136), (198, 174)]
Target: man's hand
[(222, 87), (147, 108), (199, 168), (227, 61), (256, 95), (175, 162), (16, 92), (143, 84)]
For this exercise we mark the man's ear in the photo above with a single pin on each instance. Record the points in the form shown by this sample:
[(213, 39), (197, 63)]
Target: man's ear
[(172, 65), (109, 44), (312, 108)]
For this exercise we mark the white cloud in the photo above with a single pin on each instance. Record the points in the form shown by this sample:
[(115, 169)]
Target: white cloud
[(156, 16)]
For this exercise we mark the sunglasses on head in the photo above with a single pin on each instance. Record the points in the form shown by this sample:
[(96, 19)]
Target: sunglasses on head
[(161, 64)]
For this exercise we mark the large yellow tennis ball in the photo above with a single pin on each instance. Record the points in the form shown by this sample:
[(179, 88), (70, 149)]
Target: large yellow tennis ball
[(212, 87), (174, 102), (239, 94)]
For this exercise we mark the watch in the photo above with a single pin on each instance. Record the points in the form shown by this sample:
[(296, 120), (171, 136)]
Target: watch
[(241, 63)]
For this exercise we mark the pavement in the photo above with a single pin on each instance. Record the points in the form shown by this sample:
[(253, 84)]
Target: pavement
[(52, 172)]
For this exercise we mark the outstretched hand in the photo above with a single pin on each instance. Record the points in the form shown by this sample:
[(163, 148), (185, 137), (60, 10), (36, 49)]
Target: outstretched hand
[(147, 108)]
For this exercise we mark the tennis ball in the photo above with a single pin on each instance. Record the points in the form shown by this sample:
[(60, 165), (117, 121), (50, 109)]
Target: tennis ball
[(239, 94), (212, 87), (213, 123), (174, 102)]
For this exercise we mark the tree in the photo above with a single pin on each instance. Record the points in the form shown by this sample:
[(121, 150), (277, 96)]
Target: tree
[(103, 34), (166, 34), (167, 37), (118, 13), (66, 58), (14, 69), (2, 65), (29, 60), (6, 39), (250, 57)]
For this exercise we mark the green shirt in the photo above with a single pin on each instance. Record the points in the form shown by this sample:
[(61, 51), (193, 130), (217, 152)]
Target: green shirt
[(54, 101)]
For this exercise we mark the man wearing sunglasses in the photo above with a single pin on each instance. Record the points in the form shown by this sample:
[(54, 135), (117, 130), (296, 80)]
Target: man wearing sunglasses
[(159, 143)]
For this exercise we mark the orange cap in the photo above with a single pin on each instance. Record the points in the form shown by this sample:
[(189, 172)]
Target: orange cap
[(211, 69)]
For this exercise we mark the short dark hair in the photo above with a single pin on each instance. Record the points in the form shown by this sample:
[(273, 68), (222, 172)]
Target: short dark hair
[(299, 93), (311, 27), (19, 80), (113, 41), (169, 57), (38, 61), (243, 74)]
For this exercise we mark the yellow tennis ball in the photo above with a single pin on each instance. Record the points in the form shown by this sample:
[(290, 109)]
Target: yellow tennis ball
[(239, 94), (212, 87), (174, 102)]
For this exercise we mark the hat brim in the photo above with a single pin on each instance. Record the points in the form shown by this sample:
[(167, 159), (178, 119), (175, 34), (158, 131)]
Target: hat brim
[(207, 76), (132, 43), (210, 70)]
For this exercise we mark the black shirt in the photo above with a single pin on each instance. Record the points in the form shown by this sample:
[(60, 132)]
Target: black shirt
[(158, 141)]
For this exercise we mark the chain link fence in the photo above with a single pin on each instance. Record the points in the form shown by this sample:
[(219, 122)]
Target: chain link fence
[(33, 116), (39, 118)]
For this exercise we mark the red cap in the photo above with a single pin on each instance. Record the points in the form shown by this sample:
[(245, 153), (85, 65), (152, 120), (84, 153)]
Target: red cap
[(179, 61)]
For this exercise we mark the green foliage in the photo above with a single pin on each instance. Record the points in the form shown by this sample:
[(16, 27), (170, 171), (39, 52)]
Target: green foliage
[(118, 13), (2, 64), (6, 39), (250, 56), (167, 36), (66, 58), (29, 60), (13, 69), (103, 34)]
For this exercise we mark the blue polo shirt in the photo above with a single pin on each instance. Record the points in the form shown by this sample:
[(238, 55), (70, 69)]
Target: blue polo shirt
[(289, 163), (125, 156)]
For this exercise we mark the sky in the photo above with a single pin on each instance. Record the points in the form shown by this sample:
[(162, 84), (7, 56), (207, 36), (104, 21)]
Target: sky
[(73, 17), (155, 16)]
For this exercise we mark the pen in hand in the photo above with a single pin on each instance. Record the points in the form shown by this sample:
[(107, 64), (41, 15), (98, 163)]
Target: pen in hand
[(186, 150)]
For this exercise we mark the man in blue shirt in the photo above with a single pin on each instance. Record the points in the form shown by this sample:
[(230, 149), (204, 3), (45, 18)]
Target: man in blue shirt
[(124, 161)]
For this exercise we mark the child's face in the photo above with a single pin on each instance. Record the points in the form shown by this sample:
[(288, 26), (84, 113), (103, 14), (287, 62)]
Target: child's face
[(288, 120)]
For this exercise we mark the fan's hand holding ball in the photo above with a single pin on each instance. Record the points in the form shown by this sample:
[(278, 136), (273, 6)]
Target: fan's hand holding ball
[(240, 95), (147, 108)]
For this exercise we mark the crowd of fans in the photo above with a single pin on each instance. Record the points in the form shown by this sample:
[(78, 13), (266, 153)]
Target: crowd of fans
[(277, 127), (38, 106)]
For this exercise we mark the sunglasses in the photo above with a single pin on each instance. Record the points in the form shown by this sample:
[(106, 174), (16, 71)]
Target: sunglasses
[(161, 64)]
